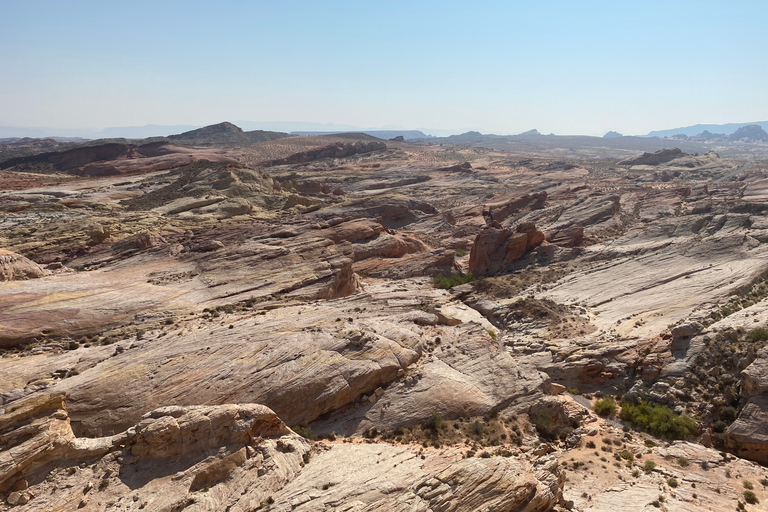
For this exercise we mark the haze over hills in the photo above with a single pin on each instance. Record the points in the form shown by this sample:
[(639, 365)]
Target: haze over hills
[(696, 129), (309, 128)]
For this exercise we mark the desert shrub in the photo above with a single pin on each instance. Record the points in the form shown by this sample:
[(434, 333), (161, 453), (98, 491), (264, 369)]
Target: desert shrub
[(605, 406), (491, 333), (649, 466), (434, 422), (591, 444), (461, 253), (672, 482), (450, 281), (304, 432), (657, 419), (759, 334), (750, 498), (683, 462), (727, 414), (748, 485), (548, 426)]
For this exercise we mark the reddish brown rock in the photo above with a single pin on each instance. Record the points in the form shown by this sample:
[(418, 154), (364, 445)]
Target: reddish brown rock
[(465, 167), (534, 236), (495, 248)]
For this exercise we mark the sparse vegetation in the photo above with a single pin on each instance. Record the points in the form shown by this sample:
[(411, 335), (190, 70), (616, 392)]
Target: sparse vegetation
[(751, 498), (649, 466), (605, 406), (446, 282), (305, 432), (657, 419), (760, 334)]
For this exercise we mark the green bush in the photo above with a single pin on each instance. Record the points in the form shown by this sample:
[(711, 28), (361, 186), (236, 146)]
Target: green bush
[(649, 466), (750, 498), (304, 432), (759, 334), (605, 406), (434, 422), (657, 419), (461, 253), (450, 281)]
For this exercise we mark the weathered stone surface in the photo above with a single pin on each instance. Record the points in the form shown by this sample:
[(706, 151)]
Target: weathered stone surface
[(659, 157), (14, 266), (237, 455), (496, 248), (393, 479)]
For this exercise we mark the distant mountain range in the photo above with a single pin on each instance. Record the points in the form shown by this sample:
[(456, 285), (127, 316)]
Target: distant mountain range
[(381, 134), (690, 131), (155, 130), (303, 128)]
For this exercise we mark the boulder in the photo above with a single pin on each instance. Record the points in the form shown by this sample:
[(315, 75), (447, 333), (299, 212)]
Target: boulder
[(139, 241), (15, 266), (235, 206)]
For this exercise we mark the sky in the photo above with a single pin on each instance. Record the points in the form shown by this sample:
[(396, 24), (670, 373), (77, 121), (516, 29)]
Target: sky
[(501, 67)]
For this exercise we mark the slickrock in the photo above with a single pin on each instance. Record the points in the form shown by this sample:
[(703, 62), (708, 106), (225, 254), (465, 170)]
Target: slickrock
[(308, 287), (380, 477), (196, 458)]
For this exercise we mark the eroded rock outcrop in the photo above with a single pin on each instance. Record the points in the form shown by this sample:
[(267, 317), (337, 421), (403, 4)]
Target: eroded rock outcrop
[(659, 157), (747, 437), (195, 458), (496, 248), (337, 150), (15, 266)]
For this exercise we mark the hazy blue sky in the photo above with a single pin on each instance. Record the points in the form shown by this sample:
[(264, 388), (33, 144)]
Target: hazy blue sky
[(501, 67)]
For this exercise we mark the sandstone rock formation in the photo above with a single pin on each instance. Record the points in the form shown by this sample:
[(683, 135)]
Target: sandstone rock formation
[(174, 293), (195, 458), (496, 248), (14, 266), (659, 157), (338, 150)]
